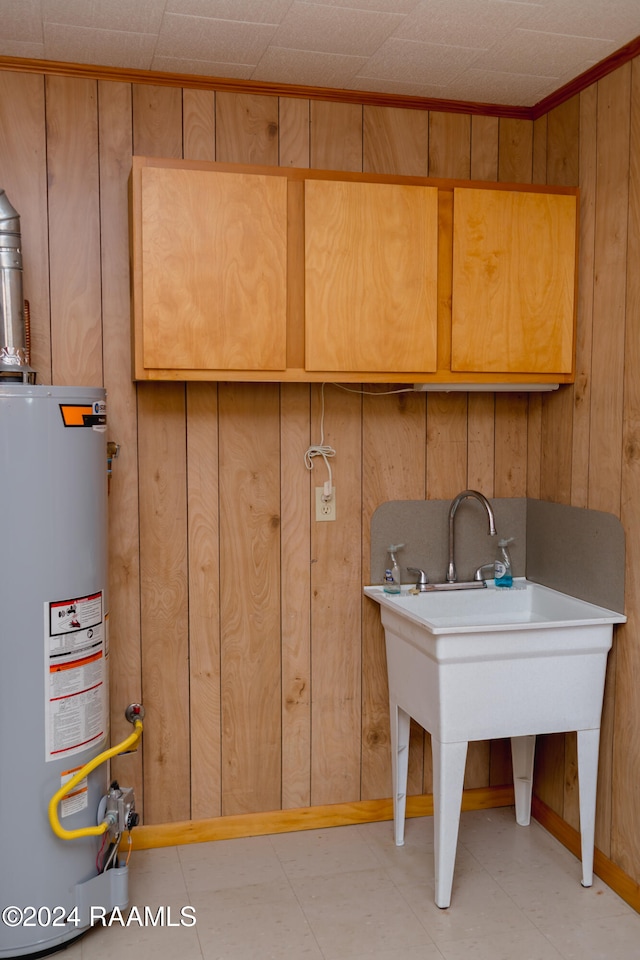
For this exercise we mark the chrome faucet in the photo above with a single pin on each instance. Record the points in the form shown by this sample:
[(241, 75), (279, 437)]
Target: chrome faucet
[(455, 503)]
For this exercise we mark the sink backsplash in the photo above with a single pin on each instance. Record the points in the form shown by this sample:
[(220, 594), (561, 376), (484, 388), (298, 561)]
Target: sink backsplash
[(577, 551)]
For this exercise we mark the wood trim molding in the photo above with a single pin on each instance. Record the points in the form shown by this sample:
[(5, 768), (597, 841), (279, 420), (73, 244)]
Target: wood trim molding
[(59, 68), (304, 818), (613, 875), (190, 81), (586, 79)]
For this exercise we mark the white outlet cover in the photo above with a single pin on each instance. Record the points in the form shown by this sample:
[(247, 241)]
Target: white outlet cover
[(325, 509)]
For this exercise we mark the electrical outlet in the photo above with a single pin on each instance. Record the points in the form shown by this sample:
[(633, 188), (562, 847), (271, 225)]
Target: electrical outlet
[(325, 509)]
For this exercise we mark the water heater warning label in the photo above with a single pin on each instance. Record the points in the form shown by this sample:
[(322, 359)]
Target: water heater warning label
[(75, 675)]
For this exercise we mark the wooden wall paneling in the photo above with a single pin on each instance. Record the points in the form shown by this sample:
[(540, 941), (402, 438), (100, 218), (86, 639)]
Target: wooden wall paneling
[(249, 438), (625, 833), (158, 131), (74, 231), (450, 145), (114, 122), (534, 444), (336, 136), (515, 159), (540, 159), (157, 121), (481, 406), (204, 599), (563, 154), (295, 506), (607, 371), (607, 368), (23, 177), (198, 134), (396, 141), (199, 124), (586, 286), (294, 130), (246, 128), (393, 469), (484, 147), (556, 423), (535, 400), (336, 604), (164, 605)]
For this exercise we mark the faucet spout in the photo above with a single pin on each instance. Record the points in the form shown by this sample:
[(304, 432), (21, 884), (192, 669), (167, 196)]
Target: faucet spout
[(455, 503)]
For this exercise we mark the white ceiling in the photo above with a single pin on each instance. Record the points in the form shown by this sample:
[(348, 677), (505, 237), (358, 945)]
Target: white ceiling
[(485, 51)]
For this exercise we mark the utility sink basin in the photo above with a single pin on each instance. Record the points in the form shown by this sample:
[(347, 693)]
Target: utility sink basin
[(498, 662), (524, 606)]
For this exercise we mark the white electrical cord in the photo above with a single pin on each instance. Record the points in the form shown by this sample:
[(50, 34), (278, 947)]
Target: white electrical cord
[(324, 450), (321, 450)]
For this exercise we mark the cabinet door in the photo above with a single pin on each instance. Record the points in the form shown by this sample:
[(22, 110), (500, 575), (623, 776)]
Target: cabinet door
[(370, 276), (213, 264), (514, 263)]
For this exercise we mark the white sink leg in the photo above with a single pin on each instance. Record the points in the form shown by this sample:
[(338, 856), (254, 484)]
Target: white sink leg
[(522, 754), (588, 746), (400, 724), (448, 779)]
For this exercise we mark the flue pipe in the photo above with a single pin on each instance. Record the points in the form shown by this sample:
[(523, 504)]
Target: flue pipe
[(14, 360)]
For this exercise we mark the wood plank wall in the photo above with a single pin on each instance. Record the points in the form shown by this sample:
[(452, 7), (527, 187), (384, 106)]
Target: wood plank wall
[(235, 617)]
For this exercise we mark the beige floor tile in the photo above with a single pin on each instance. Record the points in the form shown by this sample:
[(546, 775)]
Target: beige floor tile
[(229, 863), (547, 895), (479, 908), (606, 938), (316, 853), (241, 924), (358, 913), (524, 944)]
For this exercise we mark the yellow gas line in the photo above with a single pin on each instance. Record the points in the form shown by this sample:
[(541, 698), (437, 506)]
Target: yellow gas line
[(66, 788)]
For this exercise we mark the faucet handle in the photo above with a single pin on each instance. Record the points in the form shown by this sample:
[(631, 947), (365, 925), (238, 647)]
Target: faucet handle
[(478, 575), (422, 580)]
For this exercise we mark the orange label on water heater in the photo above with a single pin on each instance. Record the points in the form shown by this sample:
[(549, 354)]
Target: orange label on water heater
[(84, 414)]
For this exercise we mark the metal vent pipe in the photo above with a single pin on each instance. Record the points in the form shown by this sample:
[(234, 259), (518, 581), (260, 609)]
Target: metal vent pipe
[(14, 359)]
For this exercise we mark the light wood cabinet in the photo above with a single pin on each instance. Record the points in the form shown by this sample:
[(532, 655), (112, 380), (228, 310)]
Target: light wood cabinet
[(513, 290), (211, 270), (249, 273), (370, 276)]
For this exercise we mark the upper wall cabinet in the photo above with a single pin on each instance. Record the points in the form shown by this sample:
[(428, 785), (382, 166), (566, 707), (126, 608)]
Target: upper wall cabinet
[(253, 273), (211, 270), (514, 275), (371, 276)]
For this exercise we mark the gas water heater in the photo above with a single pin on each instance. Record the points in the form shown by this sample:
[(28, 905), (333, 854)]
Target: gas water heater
[(60, 843)]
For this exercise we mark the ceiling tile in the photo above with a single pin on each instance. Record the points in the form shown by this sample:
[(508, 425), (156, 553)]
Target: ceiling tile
[(143, 16), (382, 6), (423, 63), (605, 21), (308, 68), (552, 52), (441, 21), (251, 11), (21, 21), (309, 26), (109, 48), (486, 86), (200, 38)]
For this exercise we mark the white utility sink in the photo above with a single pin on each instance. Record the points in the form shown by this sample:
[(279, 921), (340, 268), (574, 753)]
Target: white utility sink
[(486, 663)]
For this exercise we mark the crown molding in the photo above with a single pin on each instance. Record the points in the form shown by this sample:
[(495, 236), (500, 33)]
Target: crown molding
[(365, 98)]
